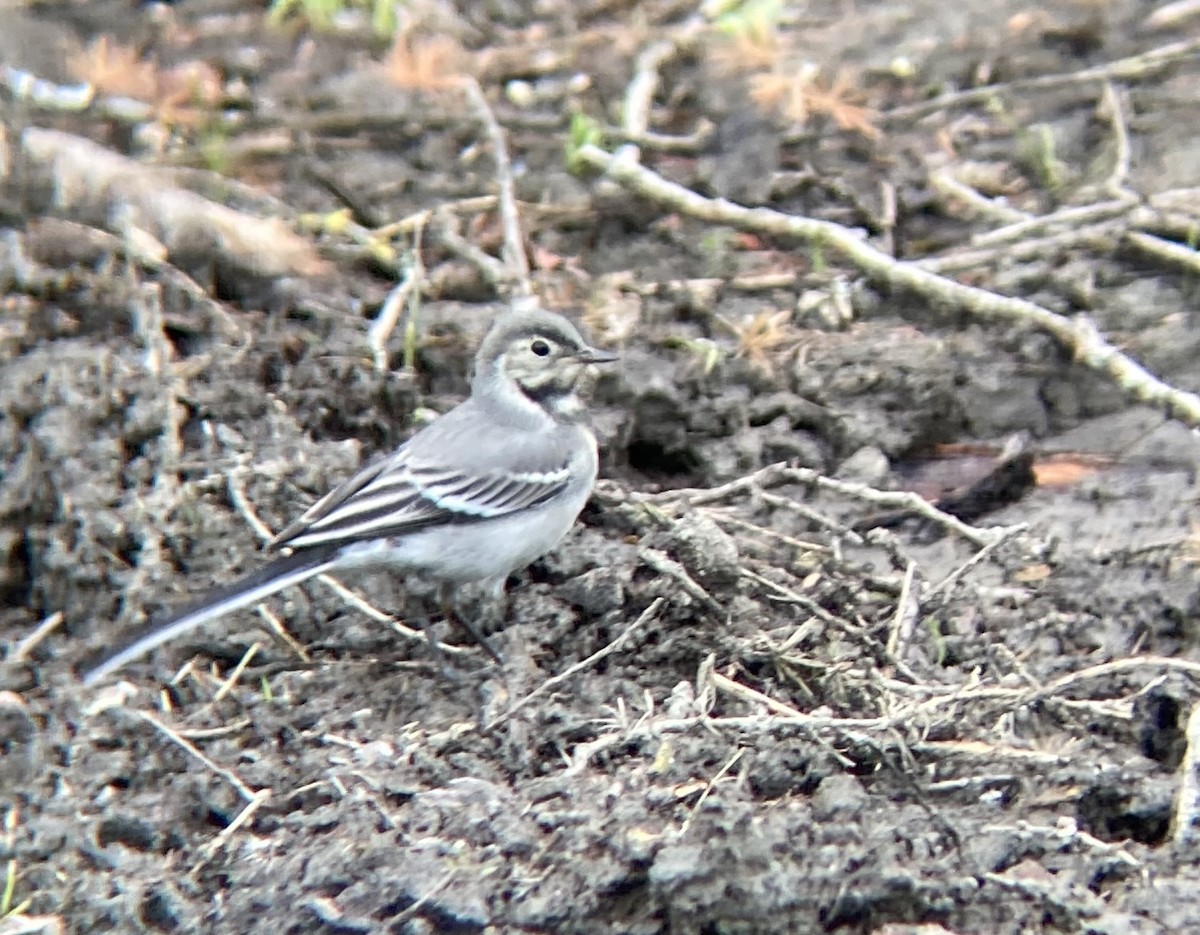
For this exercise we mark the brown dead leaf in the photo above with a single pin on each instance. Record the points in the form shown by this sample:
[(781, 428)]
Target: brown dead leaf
[(1024, 21), (747, 241), (1067, 470), (435, 63), (195, 82), (115, 69), (1032, 573), (179, 95), (544, 259), (1029, 871)]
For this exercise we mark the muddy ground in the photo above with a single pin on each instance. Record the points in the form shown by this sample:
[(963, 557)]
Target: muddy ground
[(741, 697)]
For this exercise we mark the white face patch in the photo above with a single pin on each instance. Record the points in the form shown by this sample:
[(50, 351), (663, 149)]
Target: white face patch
[(548, 383), (567, 408)]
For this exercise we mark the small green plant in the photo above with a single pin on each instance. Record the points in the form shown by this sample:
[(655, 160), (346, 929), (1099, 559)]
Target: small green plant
[(323, 14), (584, 131), (1039, 154), (706, 352), (213, 146), (742, 18), (934, 625), (718, 246), (820, 265)]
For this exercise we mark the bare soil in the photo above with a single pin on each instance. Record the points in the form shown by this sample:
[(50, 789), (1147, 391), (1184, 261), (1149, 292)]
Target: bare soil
[(745, 695)]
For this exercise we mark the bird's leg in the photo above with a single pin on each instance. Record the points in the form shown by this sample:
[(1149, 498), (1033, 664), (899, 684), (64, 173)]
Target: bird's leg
[(435, 652), (451, 612)]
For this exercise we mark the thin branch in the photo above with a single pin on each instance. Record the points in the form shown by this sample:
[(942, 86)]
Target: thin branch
[(845, 626), (551, 683), (494, 272), (1187, 801), (513, 252), (1070, 218), (398, 299), (31, 642), (419, 219), (1111, 107), (776, 474), (281, 631), (236, 674), (1136, 66), (908, 608), (1166, 251), (948, 582), (665, 565), (228, 775), (1100, 235), (708, 788), (226, 834), (948, 186), (1166, 663), (639, 95), (1079, 335)]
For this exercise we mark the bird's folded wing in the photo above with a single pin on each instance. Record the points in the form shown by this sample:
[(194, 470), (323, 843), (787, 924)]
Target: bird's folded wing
[(406, 492)]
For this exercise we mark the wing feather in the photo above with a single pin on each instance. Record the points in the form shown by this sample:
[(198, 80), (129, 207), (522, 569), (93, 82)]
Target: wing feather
[(404, 492)]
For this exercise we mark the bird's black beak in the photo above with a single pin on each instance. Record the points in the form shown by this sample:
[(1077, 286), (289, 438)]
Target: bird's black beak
[(593, 355)]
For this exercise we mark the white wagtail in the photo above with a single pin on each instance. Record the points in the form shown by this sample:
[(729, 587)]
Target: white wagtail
[(480, 492)]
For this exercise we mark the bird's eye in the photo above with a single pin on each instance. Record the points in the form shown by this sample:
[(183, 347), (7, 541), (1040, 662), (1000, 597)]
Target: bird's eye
[(540, 347)]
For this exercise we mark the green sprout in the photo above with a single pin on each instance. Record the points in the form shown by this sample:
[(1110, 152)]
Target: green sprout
[(749, 18), (934, 625), (707, 352), (323, 14), (1039, 153), (584, 131)]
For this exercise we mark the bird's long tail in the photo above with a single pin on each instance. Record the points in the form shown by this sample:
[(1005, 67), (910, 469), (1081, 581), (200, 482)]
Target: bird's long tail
[(284, 571)]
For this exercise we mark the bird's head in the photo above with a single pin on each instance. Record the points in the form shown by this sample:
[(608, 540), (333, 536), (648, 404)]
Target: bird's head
[(540, 353)]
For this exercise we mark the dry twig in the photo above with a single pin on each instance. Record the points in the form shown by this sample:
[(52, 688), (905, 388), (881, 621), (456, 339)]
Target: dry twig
[(776, 474), (551, 683), (1187, 800), (1079, 335), (513, 254), (228, 775), (31, 642), (226, 834), (1135, 66)]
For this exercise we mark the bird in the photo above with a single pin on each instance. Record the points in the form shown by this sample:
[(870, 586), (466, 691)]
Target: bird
[(477, 494)]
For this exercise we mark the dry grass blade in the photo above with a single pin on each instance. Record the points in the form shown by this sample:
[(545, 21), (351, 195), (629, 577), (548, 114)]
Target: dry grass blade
[(764, 338), (841, 101), (800, 95)]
